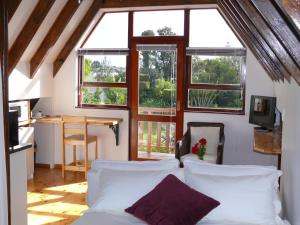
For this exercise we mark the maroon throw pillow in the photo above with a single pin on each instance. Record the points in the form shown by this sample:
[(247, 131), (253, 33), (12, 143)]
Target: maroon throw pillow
[(172, 202)]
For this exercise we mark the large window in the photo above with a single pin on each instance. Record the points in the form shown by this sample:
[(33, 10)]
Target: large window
[(103, 63), (216, 61), (214, 57)]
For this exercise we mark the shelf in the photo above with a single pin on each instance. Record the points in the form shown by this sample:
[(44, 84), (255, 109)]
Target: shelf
[(267, 142)]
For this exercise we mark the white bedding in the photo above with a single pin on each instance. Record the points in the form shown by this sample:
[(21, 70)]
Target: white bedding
[(110, 182), (110, 218)]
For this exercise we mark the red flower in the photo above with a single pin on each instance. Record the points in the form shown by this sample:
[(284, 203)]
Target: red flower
[(195, 149), (202, 141)]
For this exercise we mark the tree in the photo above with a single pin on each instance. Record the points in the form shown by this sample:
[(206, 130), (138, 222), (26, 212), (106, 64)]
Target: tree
[(157, 74), (219, 70)]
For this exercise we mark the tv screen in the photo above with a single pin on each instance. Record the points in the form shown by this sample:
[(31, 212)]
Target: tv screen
[(262, 111), (13, 128)]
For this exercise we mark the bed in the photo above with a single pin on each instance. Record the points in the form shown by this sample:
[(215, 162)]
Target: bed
[(247, 195)]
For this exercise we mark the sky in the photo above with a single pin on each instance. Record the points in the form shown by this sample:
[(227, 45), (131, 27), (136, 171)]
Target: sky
[(207, 28)]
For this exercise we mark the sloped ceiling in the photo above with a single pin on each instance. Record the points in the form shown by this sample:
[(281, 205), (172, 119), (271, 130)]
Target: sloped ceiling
[(270, 28)]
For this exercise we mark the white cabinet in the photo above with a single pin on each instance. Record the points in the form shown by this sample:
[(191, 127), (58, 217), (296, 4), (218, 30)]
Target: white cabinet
[(18, 188), (26, 136)]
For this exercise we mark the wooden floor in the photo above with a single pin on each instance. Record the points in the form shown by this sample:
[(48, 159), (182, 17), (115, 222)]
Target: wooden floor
[(54, 200)]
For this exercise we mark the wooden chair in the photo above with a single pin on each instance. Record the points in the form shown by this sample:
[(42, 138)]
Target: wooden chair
[(74, 132), (212, 132)]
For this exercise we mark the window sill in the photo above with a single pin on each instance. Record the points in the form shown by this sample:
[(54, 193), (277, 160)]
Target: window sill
[(107, 107), (216, 111)]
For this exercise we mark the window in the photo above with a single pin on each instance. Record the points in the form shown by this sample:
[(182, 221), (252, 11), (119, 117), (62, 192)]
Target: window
[(216, 65), (214, 57), (168, 23), (103, 60)]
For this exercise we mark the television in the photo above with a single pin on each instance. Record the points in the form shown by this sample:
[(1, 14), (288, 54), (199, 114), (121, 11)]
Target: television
[(13, 128), (262, 111)]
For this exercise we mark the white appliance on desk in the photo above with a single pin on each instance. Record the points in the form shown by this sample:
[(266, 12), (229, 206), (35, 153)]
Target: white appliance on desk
[(23, 109)]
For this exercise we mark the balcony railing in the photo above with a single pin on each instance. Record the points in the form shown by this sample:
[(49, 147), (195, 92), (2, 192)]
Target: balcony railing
[(158, 137)]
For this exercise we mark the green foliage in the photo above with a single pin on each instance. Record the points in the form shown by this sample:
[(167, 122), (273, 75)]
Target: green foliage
[(87, 69), (103, 71), (109, 96), (221, 70)]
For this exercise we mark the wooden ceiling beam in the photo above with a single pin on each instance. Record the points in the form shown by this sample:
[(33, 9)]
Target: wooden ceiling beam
[(27, 33), (280, 28), (145, 3), (76, 35), (291, 9), (243, 30), (12, 6), (264, 53), (53, 34), (268, 35)]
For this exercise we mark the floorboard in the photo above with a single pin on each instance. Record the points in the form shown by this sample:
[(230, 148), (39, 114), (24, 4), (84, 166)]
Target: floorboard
[(53, 200)]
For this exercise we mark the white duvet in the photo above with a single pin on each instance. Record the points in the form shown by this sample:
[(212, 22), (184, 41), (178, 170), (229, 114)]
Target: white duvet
[(111, 218)]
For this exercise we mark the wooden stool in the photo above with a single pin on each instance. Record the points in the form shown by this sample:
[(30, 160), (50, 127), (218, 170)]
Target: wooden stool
[(74, 132)]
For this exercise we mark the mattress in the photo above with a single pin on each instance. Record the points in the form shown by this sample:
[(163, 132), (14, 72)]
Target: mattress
[(111, 218)]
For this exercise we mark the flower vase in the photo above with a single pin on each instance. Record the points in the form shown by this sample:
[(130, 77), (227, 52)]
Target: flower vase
[(201, 152)]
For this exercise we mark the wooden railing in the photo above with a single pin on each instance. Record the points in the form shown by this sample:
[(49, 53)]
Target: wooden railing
[(165, 143)]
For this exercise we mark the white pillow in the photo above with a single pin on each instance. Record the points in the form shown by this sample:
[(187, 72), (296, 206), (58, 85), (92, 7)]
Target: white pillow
[(135, 165), (199, 166), (120, 189), (244, 199), (98, 165)]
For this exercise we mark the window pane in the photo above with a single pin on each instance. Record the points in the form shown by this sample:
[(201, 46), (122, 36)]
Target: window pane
[(156, 140), (215, 99), (104, 68), (157, 82), (111, 32), (159, 23), (216, 69), (209, 29), (104, 96)]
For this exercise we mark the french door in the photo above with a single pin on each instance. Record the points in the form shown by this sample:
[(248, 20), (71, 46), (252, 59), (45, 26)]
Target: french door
[(156, 100)]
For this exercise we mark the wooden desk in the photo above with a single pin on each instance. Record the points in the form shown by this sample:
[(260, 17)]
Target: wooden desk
[(113, 123)]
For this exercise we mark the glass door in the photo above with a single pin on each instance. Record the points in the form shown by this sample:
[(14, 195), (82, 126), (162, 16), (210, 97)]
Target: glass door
[(157, 113)]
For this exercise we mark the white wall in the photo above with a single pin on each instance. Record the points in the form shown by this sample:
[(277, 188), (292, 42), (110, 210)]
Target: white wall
[(238, 132), (289, 104), (64, 102), (22, 87)]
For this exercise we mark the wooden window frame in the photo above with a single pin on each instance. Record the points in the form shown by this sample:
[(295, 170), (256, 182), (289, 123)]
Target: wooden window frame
[(104, 51), (187, 73), (211, 51), (223, 87), (82, 84)]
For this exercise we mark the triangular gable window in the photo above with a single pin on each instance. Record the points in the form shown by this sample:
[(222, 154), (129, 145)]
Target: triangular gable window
[(111, 32), (209, 29)]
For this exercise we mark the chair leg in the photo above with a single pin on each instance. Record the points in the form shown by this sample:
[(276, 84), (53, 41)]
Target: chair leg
[(74, 154), (63, 161), (86, 160), (96, 149)]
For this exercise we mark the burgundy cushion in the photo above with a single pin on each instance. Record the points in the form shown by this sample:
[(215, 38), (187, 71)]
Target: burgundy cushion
[(172, 202)]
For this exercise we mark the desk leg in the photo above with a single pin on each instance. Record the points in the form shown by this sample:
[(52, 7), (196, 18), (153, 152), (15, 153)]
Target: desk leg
[(279, 162), (115, 129)]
